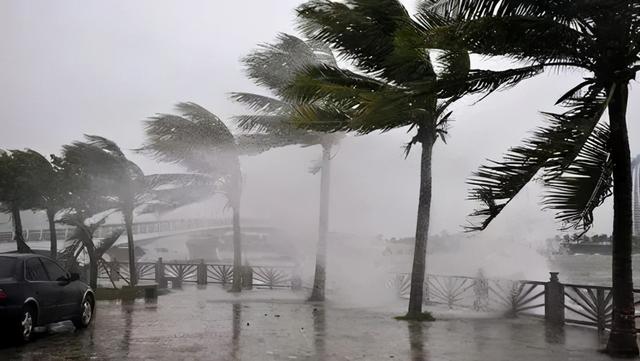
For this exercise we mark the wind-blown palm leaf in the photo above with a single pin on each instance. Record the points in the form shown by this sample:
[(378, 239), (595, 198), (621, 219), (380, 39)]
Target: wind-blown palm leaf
[(584, 185), (176, 180), (552, 149), (253, 144), (197, 139), (522, 38), (106, 243), (388, 28), (260, 103), (471, 9)]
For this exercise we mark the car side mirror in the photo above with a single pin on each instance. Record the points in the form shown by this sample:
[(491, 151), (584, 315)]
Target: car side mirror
[(74, 276)]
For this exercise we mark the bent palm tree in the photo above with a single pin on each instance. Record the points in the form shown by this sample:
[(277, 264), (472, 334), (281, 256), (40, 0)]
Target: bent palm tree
[(274, 67), (51, 191), (19, 177), (199, 141), (124, 187), (581, 157)]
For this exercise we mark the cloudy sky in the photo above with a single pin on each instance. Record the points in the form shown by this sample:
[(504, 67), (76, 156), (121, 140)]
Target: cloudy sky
[(101, 67)]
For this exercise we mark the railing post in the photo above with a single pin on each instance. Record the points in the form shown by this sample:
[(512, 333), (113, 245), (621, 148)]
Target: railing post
[(115, 269), (554, 300), (201, 273), (601, 309), (160, 279), (246, 273)]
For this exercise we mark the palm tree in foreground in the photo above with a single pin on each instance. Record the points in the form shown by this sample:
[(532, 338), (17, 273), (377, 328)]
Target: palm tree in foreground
[(395, 85), (375, 35), (581, 157), (274, 67)]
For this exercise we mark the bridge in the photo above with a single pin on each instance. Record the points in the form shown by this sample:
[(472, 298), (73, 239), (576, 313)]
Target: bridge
[(157, 228)]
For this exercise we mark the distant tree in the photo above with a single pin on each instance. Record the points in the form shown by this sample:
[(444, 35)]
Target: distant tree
[(18, 188), (50, 191), (199, 141), (274, 67)]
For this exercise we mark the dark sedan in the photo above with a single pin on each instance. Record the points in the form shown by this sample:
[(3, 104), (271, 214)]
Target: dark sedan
[(36, 291)]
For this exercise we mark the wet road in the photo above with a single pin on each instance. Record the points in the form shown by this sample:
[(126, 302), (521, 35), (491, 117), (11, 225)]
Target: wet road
[(209, 324)]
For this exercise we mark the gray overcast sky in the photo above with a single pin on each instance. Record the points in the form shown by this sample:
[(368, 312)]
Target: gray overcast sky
[(101, 67)]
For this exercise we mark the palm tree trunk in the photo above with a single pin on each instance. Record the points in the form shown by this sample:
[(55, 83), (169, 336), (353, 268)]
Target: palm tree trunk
[(53, 236), (622, 339), (422, 229), (18, 236), (319, 279), (128, 223), (236, 286), (93, 263)]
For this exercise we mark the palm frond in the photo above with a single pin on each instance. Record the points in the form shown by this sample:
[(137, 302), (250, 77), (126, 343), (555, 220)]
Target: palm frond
[(106, 243), (256, 143), (274, 65), (521, 38), (584, 185), (260, 103), (561, 11), (483, 81), (551, 149), (197, 139), (391, 34)]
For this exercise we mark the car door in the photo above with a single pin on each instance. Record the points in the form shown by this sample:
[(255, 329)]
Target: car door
[(68, 298), (42, 289)]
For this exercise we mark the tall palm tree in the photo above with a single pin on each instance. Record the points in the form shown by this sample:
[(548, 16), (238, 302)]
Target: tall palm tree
[(583, 159), (395, 86), (199, 141), (635, 166), (274, 66)]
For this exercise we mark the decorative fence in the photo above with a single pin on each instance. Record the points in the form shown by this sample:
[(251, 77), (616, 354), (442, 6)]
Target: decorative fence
[(556, 302), (200, 273)]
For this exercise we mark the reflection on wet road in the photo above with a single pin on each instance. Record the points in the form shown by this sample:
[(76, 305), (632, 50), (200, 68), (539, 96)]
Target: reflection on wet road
[(210, 324)]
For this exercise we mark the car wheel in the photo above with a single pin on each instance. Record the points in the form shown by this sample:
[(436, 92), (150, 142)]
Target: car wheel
[(25, 325), (83, 320)]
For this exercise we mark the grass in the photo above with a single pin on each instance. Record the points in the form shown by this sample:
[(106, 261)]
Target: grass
[(423, 317)]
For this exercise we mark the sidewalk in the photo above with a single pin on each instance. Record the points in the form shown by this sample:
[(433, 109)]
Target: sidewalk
[(263, 325)]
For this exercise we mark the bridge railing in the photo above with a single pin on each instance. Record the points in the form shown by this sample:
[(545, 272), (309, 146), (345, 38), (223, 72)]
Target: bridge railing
[(32, 235), (200, 273)]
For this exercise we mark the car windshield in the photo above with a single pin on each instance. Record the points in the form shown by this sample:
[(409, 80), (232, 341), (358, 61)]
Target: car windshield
[(7, 267)]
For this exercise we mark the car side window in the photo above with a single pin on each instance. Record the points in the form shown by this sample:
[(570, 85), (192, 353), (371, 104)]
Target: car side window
[(35, 270), (56, 273)]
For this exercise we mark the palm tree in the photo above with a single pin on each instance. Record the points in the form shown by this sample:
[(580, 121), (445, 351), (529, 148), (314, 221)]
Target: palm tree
[(124, 187), (635, 166), (51, 191), (201, 142), (274, 66), (395, 86), (583, 159), (18, 188)]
